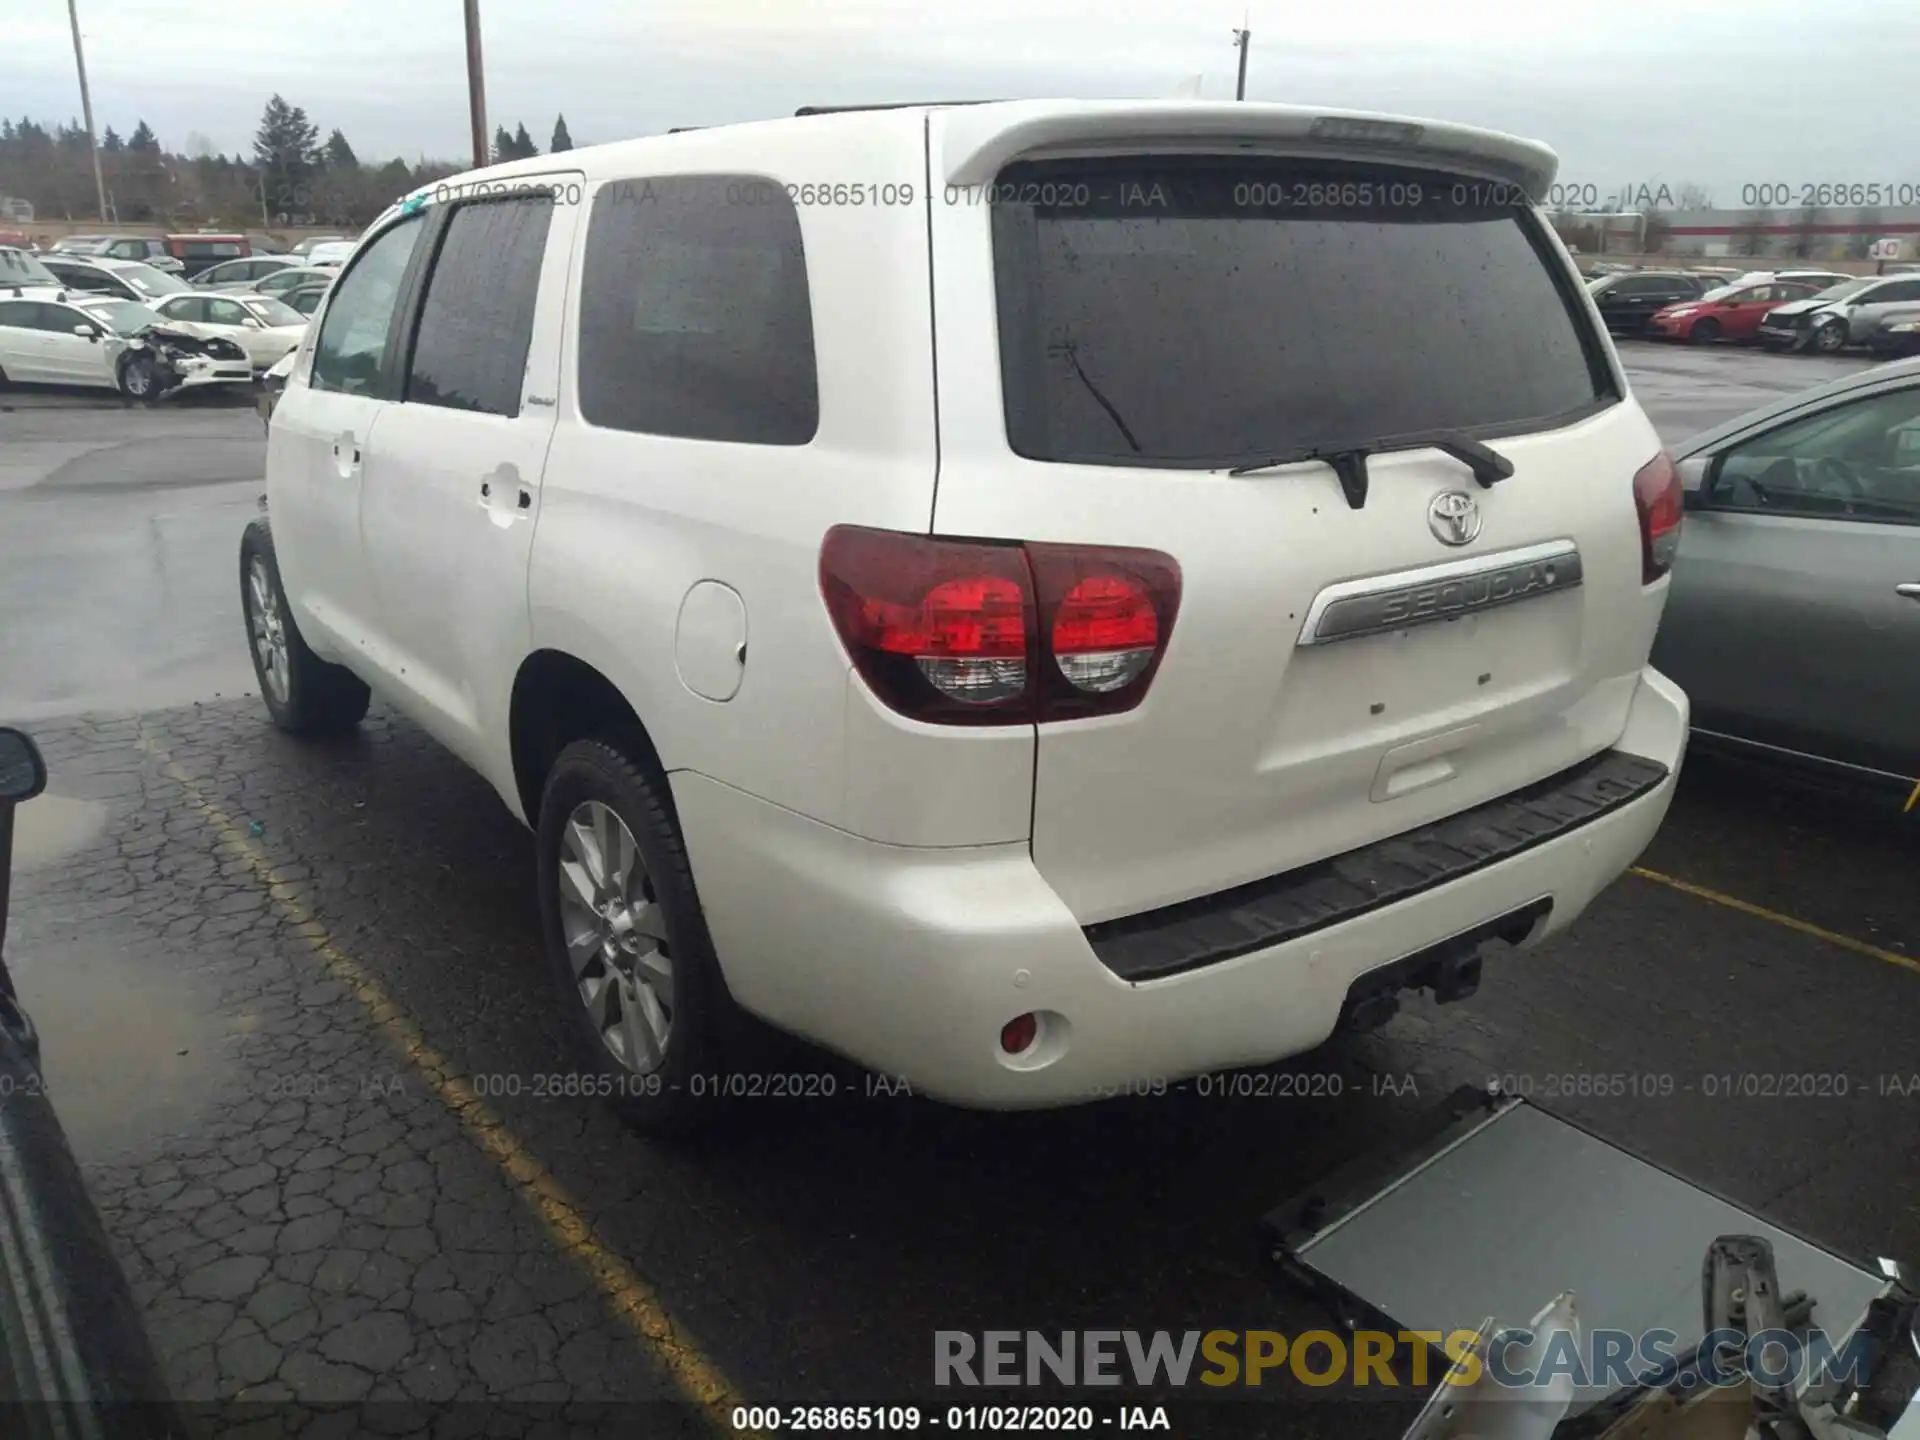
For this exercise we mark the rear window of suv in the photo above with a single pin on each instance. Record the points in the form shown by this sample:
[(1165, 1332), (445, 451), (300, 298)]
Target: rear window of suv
[(1208, 312)]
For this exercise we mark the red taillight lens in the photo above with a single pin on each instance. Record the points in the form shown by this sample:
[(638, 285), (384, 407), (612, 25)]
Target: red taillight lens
[(1107, 613), (1660, 498), (950, 631), (939, 629)]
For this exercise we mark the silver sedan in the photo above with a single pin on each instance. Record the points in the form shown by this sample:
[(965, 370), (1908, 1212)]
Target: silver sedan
[(1794, 616)]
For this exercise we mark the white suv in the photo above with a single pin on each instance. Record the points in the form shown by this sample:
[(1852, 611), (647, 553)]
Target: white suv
[(1040, 598)]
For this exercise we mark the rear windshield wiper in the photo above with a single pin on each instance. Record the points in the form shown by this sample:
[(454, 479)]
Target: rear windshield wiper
[(1349, 462)]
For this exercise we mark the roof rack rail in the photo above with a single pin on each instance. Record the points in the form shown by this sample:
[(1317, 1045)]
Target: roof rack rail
[(889, 105), (682, 129)]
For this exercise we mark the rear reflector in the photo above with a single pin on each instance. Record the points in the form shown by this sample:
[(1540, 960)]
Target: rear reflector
[(1019, 1033), (1659, 497), (951, 631)]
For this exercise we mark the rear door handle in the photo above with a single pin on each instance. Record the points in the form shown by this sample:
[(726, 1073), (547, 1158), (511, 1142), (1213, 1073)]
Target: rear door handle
[(1911, 591)]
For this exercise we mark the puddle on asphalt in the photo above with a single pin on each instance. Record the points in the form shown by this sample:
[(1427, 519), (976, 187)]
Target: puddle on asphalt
[(131, 1042)]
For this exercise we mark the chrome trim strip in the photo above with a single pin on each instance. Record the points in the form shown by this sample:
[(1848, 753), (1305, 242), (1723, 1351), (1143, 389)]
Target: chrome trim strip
[(1563, 555)]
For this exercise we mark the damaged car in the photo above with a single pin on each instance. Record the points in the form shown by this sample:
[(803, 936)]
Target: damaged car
[(59, 338)]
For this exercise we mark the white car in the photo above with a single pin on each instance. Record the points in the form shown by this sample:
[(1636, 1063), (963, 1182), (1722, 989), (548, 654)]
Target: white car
[(117, 279), (54, 337), (331, 253), (1041, 634), (259, 324)]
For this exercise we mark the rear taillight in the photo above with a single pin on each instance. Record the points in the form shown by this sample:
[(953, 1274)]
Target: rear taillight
[(1659, 497), (975, 633)]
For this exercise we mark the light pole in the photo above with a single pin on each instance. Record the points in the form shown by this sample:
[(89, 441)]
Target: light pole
[(476, 86), (86, 109), (1242, 39)]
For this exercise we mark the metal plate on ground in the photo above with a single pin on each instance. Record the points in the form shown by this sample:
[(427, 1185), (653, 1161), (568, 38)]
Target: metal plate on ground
[(1508, 1206)]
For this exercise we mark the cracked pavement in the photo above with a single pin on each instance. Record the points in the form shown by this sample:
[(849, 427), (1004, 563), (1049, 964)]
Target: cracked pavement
[(271, 975)]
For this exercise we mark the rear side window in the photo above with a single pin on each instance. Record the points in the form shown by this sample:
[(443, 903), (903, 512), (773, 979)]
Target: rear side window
[(694, 314), (350, 354), (1210, 312), (470, 352)]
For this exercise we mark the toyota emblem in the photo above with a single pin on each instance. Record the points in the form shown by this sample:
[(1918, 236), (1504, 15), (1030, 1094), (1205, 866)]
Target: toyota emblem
[(1454, 517)]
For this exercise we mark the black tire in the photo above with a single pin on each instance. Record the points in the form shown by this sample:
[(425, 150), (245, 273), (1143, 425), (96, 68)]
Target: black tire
[(672, 1096), (1829, 339), (316, 698), (139, 378), (1704, 332)]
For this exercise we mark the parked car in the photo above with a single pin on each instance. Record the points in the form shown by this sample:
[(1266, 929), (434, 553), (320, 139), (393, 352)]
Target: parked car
[(74, 1357), (1628, 300), (243, 274), (1790, 326), (1852, 316), (1718, 274), (22, 269), (196, 252), (292, 277), (303, 299), (109, 344), (1176, 709), (147, 249), (1897, 335), (306, 247), (121, 279), (1794, 622), (1732, 312), (332, 253), (79, 244), (1819, 278), (259, 324)]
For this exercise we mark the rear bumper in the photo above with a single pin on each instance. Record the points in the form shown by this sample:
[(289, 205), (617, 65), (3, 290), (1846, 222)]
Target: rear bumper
[(910, 960)]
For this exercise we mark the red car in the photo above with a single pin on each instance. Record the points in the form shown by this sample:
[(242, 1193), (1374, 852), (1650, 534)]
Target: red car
[(1733, 312)]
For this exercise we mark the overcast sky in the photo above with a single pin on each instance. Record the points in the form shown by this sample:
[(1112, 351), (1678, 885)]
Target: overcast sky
[(1636, 91)]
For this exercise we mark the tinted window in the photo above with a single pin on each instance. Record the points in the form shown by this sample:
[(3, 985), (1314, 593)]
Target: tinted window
[(477, 322), (1208, 312), (17, 314), (1899, 290), (1859, 461), (694, 313), (350, 354)]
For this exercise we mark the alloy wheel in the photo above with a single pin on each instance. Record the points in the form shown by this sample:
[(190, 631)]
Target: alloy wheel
[(268, 630), (616, 937)]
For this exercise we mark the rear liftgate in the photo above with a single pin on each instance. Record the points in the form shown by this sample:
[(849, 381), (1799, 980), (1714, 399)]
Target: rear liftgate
[(1506, 1217)]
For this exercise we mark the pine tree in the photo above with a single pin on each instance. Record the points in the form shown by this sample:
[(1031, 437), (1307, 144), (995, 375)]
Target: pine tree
[(561, 139), (523, 146), (111, 142), (286, 148), (142, 140), (502, 144), (338, 154)]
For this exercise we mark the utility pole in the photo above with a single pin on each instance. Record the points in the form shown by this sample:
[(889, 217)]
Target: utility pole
[(1242, 39), (476, 85), (86, 109)]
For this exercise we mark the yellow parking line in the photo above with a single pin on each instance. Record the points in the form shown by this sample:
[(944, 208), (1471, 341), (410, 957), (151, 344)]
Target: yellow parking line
[(1759, 912), (631, 1299), (1913, 799)]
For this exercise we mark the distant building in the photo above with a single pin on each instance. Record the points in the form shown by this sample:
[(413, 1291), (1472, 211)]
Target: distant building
[(15, 209), (1827, 234)]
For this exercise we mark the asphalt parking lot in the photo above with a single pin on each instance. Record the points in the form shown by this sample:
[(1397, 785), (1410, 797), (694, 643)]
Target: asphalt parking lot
[(295, 1022)]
